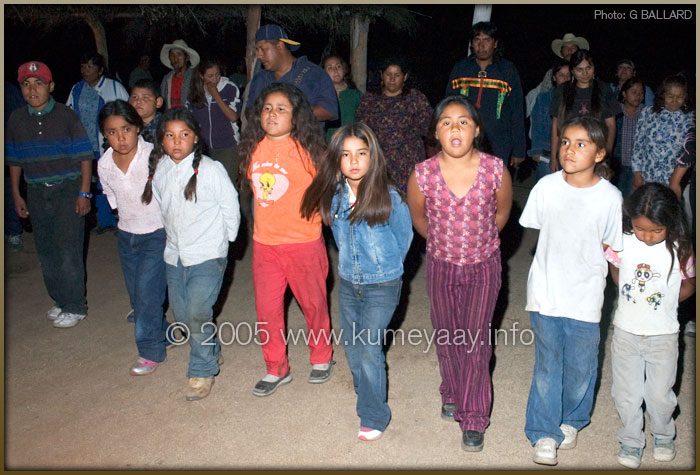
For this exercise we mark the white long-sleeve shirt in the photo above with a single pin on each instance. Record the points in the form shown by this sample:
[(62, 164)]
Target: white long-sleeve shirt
[(123, 190), (197, 230)]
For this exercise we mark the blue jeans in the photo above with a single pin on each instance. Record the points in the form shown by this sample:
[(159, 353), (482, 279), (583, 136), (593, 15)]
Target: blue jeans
[(192, 292), (143, 266), (365, 312), (566, 367), (58, 235)]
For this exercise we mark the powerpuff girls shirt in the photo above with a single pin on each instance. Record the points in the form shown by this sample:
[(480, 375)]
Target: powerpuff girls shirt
[(648, 295), (280, 172)]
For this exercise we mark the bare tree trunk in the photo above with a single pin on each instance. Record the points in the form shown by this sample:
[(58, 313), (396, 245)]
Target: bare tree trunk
[(359, 32), (252, 25), (98, 31)]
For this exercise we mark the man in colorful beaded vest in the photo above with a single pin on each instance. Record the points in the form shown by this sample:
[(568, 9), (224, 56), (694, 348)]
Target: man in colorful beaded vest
[(492, 84)]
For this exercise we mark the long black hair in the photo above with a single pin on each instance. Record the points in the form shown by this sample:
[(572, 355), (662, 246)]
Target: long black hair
[(373, 203), (184, 115), (660, 205), (306, 130), (569, 89)]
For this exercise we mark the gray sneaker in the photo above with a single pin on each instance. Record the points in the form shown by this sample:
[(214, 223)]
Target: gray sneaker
[(663, 450), (630, 457), (68, 320)]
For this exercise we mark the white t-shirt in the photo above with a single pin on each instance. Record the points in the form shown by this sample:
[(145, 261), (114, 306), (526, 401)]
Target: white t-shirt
[(648, 300), (567, 276)]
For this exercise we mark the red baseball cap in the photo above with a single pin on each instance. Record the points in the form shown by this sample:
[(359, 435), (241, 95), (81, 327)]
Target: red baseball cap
[(34, 69)]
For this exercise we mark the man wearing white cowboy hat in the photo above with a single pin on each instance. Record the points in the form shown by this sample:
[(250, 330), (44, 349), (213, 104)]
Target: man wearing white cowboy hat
[(568, 45), (176, 84), (564, 48)]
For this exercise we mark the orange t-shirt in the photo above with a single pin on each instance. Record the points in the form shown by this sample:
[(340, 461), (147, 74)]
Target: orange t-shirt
[(280, 172)]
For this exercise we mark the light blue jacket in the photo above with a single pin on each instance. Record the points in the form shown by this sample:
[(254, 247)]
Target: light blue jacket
[(371, 254)]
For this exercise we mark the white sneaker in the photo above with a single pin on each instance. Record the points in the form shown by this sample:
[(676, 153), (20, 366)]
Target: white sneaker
[(68, 320), (570, 435), (545, 451), (368, 435), (53, 313)]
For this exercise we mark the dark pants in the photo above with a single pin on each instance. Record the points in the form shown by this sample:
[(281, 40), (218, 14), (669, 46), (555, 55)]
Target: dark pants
[(143, 266), (58, 233), (13, 226), (462, 301)]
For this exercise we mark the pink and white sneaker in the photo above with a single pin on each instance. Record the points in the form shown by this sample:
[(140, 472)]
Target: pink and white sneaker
[(369, 435)]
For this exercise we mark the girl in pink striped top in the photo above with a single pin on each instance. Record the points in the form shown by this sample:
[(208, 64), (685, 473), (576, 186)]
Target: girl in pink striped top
[(459, 200)]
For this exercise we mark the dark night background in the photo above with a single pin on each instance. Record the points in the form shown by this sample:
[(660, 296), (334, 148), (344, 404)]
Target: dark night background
[(438, 40)]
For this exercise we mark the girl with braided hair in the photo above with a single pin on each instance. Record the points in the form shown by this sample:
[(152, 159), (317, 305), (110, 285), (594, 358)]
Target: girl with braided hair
[(123, 169), (200, 211)]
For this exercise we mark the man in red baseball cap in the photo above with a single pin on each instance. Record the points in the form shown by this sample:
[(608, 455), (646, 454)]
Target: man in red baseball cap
[(46, 140)]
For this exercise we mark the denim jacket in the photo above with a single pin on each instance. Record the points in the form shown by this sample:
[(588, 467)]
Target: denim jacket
[(371, 254), (541, 125)]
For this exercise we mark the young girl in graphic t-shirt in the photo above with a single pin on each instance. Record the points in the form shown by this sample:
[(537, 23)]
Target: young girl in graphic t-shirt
[(654, 271), (459, 200), (280, 151)]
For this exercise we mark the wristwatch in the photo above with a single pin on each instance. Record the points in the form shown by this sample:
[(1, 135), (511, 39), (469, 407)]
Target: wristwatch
[(87, 195)]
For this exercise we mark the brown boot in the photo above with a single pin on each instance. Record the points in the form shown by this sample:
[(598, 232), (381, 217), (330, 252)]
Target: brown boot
[(199, 388)]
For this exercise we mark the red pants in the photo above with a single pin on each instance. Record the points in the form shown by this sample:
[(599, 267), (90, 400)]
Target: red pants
[(304, 267)]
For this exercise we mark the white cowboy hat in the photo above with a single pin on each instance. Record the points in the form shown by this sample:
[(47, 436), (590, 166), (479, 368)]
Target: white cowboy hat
[(579, 41), (178, 44)]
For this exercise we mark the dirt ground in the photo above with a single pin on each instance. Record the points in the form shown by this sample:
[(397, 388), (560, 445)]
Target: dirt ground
[(70, 402)]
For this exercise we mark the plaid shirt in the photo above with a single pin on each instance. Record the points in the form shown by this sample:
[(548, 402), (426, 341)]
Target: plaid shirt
[(149, 131), (629, 124)]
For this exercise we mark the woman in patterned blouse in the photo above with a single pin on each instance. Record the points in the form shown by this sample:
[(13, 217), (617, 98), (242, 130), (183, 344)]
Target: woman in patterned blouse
[(661, 131), (400, 117)]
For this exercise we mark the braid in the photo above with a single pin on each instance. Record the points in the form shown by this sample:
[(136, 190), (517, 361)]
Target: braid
[(191, 188), (153, 160)]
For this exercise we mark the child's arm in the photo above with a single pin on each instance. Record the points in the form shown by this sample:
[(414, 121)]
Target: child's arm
[(613, 259), (82, 204), (400, 224), (687, 288), (20, 204), (416, 204), (504, 200)]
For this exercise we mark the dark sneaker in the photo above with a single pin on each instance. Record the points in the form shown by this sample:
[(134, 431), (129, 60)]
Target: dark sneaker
[(472, 441), (320, 373), (265, 388), (448, 411)]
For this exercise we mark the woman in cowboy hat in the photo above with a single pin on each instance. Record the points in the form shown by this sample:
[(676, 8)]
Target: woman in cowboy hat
[(176, 84)]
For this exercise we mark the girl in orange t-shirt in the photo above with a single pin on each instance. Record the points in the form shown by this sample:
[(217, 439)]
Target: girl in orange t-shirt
[(280, 150)]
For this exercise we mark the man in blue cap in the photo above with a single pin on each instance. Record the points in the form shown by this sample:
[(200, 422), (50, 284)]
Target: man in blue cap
[(274, 50)]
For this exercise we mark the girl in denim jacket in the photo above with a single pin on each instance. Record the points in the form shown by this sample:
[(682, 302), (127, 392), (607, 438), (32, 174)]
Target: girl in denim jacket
[(371, 226)]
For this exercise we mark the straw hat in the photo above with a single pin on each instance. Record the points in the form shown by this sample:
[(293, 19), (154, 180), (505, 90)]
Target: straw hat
[(178, 44), (579, 41)]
